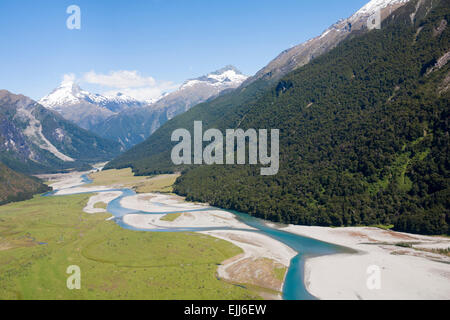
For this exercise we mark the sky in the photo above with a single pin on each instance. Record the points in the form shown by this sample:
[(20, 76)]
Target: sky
[(147, 47)]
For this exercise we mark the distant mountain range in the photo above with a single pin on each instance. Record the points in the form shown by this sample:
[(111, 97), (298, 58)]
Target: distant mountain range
[(84, 108), (34, 139), (128, 121), (134, 125)]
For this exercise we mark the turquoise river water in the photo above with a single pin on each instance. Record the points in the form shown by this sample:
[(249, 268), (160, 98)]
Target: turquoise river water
[(294, 285)]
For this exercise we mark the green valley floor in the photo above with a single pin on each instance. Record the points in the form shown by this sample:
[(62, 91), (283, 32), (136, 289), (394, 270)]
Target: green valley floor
[(42, 237)]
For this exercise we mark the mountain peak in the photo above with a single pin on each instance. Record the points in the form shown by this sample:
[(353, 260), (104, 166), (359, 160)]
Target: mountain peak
[(226, 69), (68, 92), (70, 86), (374, 5), (67, 84), (85, 108), (18, 100), (224, 78)]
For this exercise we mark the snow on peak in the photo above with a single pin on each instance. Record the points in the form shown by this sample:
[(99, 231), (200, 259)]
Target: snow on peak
[(228, 77), (120, 97), (69, 93), (345, 25), (375, 5)]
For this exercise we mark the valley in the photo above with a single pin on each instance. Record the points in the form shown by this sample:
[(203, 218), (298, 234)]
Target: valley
[(128, 242), (40, 238), (129, 182)]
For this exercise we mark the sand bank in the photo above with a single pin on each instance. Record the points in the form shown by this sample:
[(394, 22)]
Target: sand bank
[(202, 219), (104, 197), (262, 255), (63, 180), (405, 273), (76, 190), (163, 204), (155, 202)]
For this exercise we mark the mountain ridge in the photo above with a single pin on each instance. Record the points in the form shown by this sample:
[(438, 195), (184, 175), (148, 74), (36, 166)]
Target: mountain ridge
[(84, 108), (134, 125), (300, 55), (34, 139)]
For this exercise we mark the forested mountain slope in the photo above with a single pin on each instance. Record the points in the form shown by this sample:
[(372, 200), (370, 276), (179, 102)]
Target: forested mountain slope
[(15, 186), (364, 134), (154, 153), (301, 54)]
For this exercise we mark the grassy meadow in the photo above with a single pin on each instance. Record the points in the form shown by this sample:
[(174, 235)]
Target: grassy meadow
[(171, 217), (126, 178), (40, 238)]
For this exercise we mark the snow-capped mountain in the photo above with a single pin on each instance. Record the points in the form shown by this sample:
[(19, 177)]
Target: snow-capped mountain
[(120, 101), (374, 5), (84, 108), (35, 139), (134, 125), (69, 93), (225, 78), (302, 54), (198, 90), (90, 111)]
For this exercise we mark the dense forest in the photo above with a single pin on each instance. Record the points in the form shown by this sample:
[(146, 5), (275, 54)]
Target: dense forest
[(15, 186), (364, 135)]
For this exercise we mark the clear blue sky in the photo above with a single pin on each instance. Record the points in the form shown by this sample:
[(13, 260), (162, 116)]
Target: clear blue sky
[(169, 40)]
